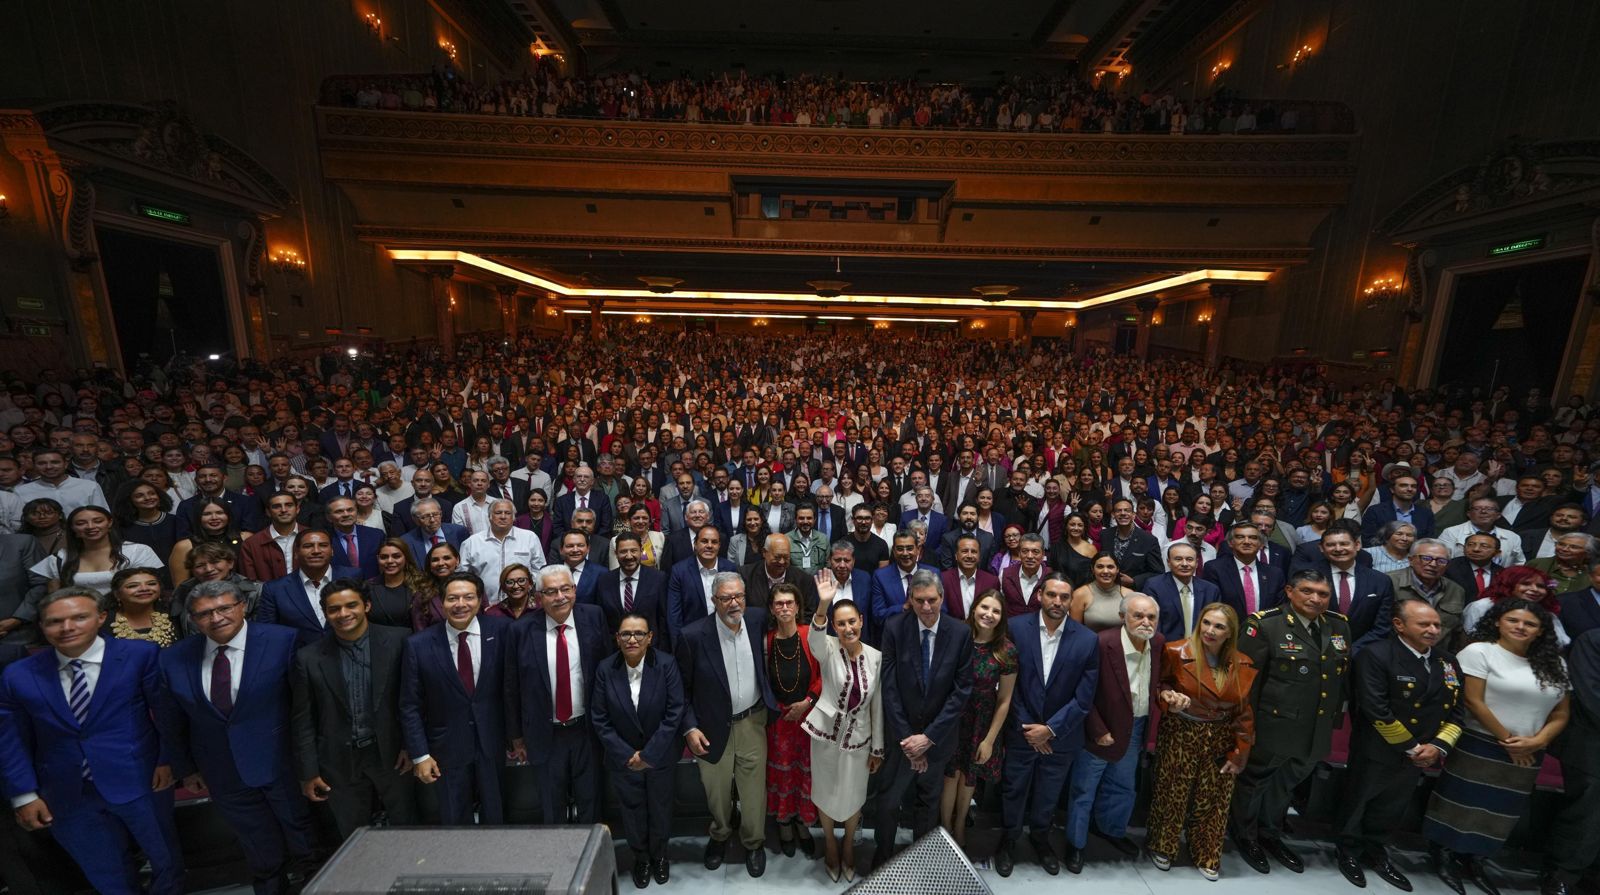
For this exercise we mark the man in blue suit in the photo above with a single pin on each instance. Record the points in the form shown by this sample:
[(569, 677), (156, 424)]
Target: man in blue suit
[(226, 727), (1058, 669), (1362, 596), (452, 705), (1180, 593), (429, 529), (1402, 504), (79, 754), (639, 738), (937, 523), (889, 583), (583, 496), (348, 535), (927, 677), (689, 582), (1246, 583), (633, 588), (295, 600), (548, 718), (586, 573), (422, 490)]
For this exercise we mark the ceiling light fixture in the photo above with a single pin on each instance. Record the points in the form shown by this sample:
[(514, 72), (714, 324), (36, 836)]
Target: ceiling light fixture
[(661, 285), (828, 288), (995, 292)]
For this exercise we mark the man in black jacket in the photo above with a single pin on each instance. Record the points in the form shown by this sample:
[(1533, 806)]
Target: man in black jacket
[(1137, 552)]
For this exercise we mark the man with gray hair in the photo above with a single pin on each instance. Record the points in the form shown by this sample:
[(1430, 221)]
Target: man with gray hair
[(1423, 578), (774, 568), (723, 661), (502, 486), (429, 529), (502, 544), (391, 487), (583, 496)]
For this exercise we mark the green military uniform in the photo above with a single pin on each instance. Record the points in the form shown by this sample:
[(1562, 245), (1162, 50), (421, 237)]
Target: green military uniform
[(1298, 697)]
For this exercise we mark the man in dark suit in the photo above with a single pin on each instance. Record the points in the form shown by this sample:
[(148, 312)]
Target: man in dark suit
[(348, 749), (575, 552), (890, 582), (1402, 504), (679, 544), (344, 481), (548, 716), (1137, 552), (18, 554), (927, 677), (1180, 593), (1475, 569), (632, 588), (832, 520), (295, 600), (725, 717), (1058, 670), (452, 704), (422, 489), (937, 523), (1580, 609), (208, 482), (967, 526), (1529, 507), (1540, 542), (337, 440), (1307, 553), (1245, 583), (355, 546), (773, 569), (689, 583), (849, 582), (503, 487), (638, 733), (429, 529), (1364, 597), (1102, 780), (967, 580), (79, 754), (226, 724), (583, 496)]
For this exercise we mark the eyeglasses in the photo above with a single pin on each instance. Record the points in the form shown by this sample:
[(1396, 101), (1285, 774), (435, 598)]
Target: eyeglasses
[(1432, 560), (563, 589), (518, 583), (632, 635), (214, 612)]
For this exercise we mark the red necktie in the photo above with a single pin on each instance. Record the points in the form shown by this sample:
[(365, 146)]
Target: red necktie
[(627, 595), (222, 682), (1483, 580), (464, 663), (437, 540), (1249, 582), (563, 678), (350, 548), (1344, 593)]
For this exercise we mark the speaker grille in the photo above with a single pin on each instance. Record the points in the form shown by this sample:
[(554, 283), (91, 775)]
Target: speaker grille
[(933, 865)]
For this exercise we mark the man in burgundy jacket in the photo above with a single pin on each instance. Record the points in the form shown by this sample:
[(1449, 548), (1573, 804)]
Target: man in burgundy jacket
[(1102, 782)]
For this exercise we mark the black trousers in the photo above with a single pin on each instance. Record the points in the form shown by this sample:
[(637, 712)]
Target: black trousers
[(376, 783), (1376, 794), (646, 801), (570, 774), (1261, 795), (898, 778), (1573, 844)]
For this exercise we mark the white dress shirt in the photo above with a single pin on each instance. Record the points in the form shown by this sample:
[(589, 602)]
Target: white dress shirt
[(740, 663), (635, 681), (313, 591), (1048, 644), (235, 649), (488, 554), (706, 577), (285, 543), (1138, 663), (574, 664), (71, 493), (471, 515), (969, 591), (842, 589)]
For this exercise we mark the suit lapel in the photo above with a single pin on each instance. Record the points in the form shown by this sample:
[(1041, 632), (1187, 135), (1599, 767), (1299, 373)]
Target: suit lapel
[(48, 675), (111, 669), (333, 670)]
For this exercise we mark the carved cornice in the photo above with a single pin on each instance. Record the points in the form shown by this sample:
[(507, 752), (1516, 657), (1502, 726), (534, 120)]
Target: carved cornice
[(1514, 173), (492, 240), (898, 150)]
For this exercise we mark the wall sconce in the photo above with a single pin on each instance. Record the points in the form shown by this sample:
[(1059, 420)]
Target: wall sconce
[(552, 311), (642, 318), (452, 302), (1072, 320), (1301, 55), (1220, 67), (977, 324), (1203, 318), (1156, 318), (5, 209), (288, 262), (760, 321), (880, 324), (1384, 291), (374, 24), (449, 49)]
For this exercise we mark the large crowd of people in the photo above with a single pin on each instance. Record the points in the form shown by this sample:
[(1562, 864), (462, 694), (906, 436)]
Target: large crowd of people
[(847, 578), (1039, 103)]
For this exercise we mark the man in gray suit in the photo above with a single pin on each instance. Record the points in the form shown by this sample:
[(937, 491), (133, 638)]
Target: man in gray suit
[(18, 614), (675, 501)]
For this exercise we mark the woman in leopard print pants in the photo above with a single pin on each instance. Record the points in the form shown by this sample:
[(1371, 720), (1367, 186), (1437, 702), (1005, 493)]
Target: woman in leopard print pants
[(1204, 738)]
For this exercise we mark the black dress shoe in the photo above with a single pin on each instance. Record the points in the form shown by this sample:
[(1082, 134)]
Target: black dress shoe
[(1350, 868), (1284, 854), (1389, 873), (1552, 884), (1473, 869), (641, 872), (1073, 860), (806, 843), (880, 857), (1123, 844), (661, 870), (1002, 858), (755, 861), (1046, 854), (1449, 871), (1251, 851), (715, 852), (788, 847)]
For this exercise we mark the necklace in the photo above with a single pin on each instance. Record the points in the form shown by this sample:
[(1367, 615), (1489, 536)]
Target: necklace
[(786, 659), (159, 633)]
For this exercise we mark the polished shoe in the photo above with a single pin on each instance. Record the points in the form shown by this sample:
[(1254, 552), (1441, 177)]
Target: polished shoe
[(833, 872), (661, 871), (1552, 884), (1123, 844), (1444, 863), (1386, 871), (1162, 862), (1284, 854), (1046, 854), (1002, 858), (641, 872), (802, 838), (1073, 860), (755, 861), (880, 857), (787, 846), (1251, 851), (1350, 867), (715, 852), (849, 871), (1210, 873), (1474, 870)]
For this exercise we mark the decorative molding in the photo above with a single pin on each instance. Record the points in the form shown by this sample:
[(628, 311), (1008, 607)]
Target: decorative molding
[(72, 195), (720, 145), (1514, 173), (489, 241), (252, 236)]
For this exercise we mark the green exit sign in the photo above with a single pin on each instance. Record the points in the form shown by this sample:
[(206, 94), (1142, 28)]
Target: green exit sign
[(1130, 318), (167, 215), (1521, 245)]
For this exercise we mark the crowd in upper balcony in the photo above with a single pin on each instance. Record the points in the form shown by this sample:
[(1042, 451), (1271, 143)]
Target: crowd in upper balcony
[(1020, 104)]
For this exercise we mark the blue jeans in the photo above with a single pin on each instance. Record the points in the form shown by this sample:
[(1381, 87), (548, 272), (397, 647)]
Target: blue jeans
[(1105, 790)]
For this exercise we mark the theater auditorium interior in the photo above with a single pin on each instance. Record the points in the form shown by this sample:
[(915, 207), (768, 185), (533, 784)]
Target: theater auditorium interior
[(1246, 350)]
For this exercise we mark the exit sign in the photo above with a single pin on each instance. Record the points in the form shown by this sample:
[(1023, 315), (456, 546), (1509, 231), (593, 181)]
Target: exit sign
[(166, 215), (1521, 245)]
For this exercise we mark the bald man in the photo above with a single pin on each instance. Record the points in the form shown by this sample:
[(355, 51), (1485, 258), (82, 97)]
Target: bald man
[(775, 567)]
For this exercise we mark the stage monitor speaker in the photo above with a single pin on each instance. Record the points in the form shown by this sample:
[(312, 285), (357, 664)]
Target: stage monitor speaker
[(933, 865), (471, 861)]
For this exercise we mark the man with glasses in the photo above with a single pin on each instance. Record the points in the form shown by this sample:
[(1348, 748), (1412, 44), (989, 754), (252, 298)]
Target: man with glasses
[(552, 659), (502, 544), (1424, 579), (428, 529), (227, 732), (871, 552)]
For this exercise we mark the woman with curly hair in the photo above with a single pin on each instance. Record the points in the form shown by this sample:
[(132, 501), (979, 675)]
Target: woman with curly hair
[(1517, 694)]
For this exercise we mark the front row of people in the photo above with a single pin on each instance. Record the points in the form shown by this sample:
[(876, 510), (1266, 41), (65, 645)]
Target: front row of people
[(96, 732)]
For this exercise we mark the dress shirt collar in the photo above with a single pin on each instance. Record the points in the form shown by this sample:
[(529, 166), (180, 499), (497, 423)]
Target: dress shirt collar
[(932, 629), (94, 655), (472, 630), (550, 623), (1422, 656), (237, 642)]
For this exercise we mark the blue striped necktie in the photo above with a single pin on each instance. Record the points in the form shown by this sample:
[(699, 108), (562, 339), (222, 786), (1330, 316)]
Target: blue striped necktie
[(79, 702)]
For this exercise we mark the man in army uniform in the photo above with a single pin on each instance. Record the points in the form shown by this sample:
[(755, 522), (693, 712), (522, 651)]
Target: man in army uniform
[(1301, 652), (1406, 709)]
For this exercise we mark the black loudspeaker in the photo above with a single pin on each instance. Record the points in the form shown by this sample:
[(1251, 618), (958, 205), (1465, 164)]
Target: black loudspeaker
[(471, 861), (933, 865)]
